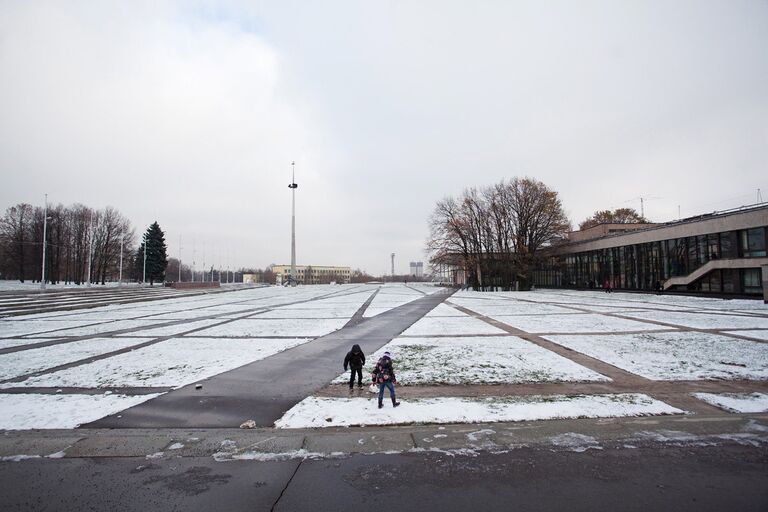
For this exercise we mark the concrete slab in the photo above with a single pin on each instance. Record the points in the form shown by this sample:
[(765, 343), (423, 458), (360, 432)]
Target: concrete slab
[(360, 441), (41, 446), (118, 446), (232, 444)]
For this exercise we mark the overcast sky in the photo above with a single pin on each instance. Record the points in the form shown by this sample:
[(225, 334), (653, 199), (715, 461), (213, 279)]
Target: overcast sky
[(190, 114)]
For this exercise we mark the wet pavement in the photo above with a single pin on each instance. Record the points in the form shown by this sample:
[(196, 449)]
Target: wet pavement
[(660, 463)]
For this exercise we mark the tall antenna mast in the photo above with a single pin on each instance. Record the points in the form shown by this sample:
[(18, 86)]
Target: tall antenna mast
[(293, 186)]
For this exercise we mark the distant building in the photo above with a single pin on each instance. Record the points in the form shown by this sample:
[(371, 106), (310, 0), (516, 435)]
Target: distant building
[(253, 278), (417, 269), (314, 274)]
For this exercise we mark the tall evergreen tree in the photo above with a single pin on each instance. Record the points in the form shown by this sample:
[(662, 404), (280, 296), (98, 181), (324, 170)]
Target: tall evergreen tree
[(157, 254)]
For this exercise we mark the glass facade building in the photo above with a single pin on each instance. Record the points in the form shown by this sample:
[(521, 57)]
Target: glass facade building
[(718, 253)]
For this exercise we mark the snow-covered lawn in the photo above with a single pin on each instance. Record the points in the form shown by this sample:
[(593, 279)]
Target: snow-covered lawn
[(391, 296), (675, 355), (254, 327), (587, 322), (599, 297), (172, 330), (737, 402), (444, 310), (315, 412), (16, 364), (17, 342), (28, 411), (337, 312), (464, 325), (507, 307), (14, 328), (759, 334), (702, 320), (172, 363), (476, 360), (100, 328)]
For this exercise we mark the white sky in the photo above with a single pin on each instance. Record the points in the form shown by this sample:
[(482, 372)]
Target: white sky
[(190, 113)]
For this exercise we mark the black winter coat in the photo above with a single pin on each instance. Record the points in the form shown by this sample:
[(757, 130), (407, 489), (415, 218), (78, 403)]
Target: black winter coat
[(355, 359)]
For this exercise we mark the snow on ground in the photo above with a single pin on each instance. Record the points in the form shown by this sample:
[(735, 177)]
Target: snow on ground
[(254, 327), (20, 363), (444, 310), (507, 307), (28, 411), (315, 412), (17, 327), (701, 320), (391, 296), (336, 312), (586, 322), (478, 360), (451, 325), (17, 342), (172, 330), (172, 363), (577, 297), (737, 402), (29, 286), (759, 334), (675, 355), (101, 328)]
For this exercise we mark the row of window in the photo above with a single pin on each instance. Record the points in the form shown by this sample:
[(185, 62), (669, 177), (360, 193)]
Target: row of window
[(647, 266)]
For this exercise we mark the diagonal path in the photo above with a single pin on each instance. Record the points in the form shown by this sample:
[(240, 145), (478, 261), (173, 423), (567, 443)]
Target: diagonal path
[(264, 390)]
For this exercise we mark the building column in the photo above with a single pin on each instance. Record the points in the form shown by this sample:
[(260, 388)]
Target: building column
[(765, 283)]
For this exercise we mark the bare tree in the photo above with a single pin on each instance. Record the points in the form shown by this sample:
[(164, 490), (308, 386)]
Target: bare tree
[(496, 233), (69, 234), (16, 239)]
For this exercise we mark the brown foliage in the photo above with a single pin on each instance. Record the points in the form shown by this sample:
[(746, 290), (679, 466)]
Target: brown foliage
[(497, 231)]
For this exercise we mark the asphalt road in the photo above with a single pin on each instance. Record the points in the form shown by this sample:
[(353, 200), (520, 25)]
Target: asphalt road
[(653, 477)]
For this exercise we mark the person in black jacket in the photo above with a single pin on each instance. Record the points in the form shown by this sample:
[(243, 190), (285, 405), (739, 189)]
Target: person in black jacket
[(355, 360), (384, 375)]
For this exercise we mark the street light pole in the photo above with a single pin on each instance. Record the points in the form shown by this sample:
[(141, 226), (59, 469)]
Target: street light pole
[(179, 258), (144, 275), (293, 186), (121, 262), (90, 248), (45, 230)]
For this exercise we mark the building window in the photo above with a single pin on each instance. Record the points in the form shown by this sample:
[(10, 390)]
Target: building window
[(753, 242), (751, 280)]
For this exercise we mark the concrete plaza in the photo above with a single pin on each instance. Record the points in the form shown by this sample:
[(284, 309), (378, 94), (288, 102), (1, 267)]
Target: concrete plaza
[(488, 379)]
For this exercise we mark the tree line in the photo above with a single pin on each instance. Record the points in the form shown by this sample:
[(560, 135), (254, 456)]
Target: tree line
[(495, 233), (75, 236)]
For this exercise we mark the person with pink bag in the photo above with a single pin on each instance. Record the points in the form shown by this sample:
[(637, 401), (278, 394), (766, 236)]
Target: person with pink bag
[(384, 376)]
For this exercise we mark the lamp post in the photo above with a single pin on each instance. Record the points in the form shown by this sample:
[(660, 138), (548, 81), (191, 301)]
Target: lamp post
[(144, 275), (120, 283), (90, 248), (179, 258), (293, 186), (45, 230)]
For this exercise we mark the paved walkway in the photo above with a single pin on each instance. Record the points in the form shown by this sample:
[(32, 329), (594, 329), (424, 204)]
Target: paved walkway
[(264, 390)]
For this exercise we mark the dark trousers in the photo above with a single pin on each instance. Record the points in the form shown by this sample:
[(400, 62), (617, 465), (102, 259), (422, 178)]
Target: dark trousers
[(359, 372)]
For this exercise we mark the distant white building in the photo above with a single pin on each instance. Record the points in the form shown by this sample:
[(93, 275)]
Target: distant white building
[(417, 268)]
